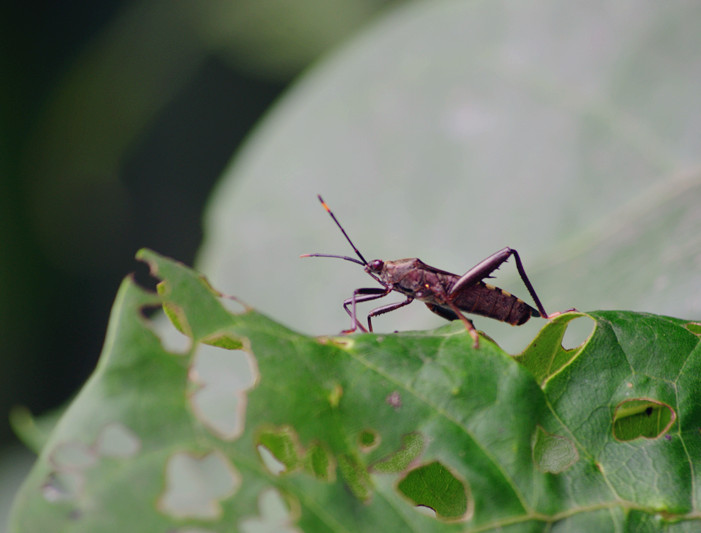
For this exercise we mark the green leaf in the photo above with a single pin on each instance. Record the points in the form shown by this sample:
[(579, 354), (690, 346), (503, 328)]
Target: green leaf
[(34, 432), (435, 487), (362, 432)]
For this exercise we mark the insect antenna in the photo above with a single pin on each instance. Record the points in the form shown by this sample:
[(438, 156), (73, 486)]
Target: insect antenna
[(352, 259), (362, 259)]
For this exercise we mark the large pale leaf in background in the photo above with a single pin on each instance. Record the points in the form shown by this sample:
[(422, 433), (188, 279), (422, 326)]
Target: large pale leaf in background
[(448, 130), (350, 433)]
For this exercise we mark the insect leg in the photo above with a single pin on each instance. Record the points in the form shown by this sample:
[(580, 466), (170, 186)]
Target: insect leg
[(489, 265), (386, 309), (527, 283), (468, 324), (362, 295), (455, 314)]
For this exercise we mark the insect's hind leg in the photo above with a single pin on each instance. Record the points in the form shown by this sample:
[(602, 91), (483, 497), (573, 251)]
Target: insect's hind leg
[(527, 283), (482, 269), (531, 290)]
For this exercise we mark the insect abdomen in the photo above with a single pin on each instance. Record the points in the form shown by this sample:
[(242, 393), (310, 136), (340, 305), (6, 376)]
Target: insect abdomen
[(493, 302)]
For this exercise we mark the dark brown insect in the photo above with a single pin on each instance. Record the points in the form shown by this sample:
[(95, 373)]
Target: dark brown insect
[(444, 293)]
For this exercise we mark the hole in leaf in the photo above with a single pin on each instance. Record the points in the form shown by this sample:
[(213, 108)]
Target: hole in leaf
[(426, 511), (72, 456), (412, 446), (694, 327), (116, 440), (145, 277), (578, 332), (172, 339), (280, 452), (233, 305), (282, 446), (642, 417), (355, 476), (318, 462), (547, 354), (275, 515), (223, 377), (195, 485), (62, 486), (553, 453), (368, 440), (434, 486), (273, 466)]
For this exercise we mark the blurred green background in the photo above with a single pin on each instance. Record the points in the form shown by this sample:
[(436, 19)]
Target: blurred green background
[(444, 130)]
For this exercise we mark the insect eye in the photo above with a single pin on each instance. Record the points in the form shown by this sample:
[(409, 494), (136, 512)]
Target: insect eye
[(376, 265)]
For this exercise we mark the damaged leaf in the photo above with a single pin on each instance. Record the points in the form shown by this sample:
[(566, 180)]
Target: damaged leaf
[(410, 431)]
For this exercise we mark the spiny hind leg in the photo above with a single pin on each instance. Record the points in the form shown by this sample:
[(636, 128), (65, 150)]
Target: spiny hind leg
[(489, 265)]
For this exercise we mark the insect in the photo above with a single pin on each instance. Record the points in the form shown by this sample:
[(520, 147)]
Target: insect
[(444, 293)]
